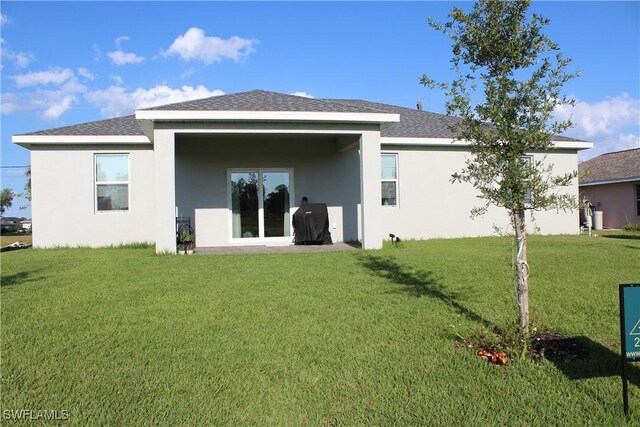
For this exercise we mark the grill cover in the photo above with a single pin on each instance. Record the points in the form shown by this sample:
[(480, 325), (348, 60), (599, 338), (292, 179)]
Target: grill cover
[(311, 225)]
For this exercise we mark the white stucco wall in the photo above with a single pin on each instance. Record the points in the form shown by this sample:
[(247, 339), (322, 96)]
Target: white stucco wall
[(326, 168), (63, 198), (431, 206), (320, 172)]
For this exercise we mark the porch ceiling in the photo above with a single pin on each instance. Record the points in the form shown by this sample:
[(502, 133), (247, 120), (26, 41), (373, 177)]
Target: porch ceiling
[(340, 142)]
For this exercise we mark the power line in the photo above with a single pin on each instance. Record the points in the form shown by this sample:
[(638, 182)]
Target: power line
[(14, 167)]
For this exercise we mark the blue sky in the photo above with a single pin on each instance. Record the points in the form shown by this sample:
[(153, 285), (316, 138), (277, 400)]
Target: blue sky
[(71, 62)]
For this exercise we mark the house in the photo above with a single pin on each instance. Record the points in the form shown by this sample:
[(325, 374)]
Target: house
[(26, 225), (611, 182), (9, 224), (238, 166)]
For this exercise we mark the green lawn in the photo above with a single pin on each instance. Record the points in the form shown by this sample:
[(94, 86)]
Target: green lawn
[(126, 337), (7, 239)]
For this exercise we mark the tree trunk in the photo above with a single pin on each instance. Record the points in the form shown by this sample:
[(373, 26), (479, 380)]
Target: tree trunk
[(522, 271)]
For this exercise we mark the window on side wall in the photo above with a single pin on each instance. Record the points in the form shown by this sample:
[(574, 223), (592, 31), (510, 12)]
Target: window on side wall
[(389, 179), (638, 200), (112, 182)]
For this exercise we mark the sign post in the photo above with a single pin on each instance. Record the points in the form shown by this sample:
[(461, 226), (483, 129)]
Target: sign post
[(629, 332)]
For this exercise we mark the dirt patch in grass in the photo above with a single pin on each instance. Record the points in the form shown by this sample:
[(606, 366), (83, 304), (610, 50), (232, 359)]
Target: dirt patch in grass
[(548, 345), (557, 348)]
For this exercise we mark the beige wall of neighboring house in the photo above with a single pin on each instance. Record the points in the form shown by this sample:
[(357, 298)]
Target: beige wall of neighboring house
[(618, 202)]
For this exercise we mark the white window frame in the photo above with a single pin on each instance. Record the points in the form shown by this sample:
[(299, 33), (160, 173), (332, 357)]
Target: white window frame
[(638, 200), (396, 179), (260, 239), (97, 183)]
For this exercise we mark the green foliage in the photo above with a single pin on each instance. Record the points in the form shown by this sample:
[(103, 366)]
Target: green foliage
[(632, 227), (6, 199), (27, 185), (509, 78), (126, 337), (503, 55)]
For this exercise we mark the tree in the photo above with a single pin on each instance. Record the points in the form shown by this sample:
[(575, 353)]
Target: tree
[(508, 82), (27, 185), (6, 199)]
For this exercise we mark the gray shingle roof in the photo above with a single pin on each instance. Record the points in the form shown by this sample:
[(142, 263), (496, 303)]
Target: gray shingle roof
[(413, 123), (619, 165), (119, 126), (261, 100), (417, 123)]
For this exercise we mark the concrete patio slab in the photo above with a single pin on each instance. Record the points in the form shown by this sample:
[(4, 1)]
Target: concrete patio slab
[(257, 249)]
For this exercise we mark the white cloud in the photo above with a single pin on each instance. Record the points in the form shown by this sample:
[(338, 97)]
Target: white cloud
[(85, 73), (601, 118), (187, 73), (56, 109), (302, 94), (116, 100), (51, 76), (12, 103), (3, 19), (52, 102), (121, 58), (194, 45), (21, 59), (612, 124), (618, 142), (119, 41)]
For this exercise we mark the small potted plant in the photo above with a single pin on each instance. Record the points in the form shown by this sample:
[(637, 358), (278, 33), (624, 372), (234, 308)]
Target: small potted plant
[(185, 238)]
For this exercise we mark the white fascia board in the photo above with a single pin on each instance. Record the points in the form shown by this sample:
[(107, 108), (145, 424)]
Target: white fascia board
[(573, 145), (450, 142), (266, 116), (434, 142), (27, 140), (610, 181)]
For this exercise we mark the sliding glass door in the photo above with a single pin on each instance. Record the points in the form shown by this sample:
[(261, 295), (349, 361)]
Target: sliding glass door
[(244, 204), (260, 203)]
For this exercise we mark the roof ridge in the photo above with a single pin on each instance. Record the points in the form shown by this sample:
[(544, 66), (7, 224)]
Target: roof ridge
[(617, 152), (415, 110)]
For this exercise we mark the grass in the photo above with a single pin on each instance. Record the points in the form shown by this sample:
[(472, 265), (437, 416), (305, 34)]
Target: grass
[(7, 239), (122, 336)]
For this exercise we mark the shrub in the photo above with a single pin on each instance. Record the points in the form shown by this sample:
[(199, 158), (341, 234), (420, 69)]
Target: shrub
[(632, 227)]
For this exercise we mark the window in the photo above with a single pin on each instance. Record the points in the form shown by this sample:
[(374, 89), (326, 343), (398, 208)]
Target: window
[(638, 200), (389, 174), (260, 203), (112, 182)]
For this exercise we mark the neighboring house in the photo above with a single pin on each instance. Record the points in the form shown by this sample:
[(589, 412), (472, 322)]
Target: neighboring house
[(9, 224), (26, 225), (611, 182), (238, 166)]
